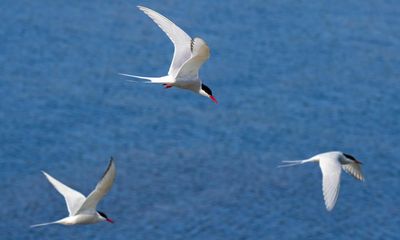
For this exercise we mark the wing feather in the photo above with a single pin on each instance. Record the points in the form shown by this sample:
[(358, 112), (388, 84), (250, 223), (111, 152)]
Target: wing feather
[(102, 188), (200, 53), (73, 198), (354, 169), (178, 37), (331, 170)]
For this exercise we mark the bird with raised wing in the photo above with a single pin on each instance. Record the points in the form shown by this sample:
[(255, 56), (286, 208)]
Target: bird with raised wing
[(189, 56), (331, 164), (82, 210)]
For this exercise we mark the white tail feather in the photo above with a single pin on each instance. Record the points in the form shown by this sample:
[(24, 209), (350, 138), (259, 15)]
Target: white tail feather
[(165, 79), (43, 224), (295, 162), (290, 163), (135, 81)]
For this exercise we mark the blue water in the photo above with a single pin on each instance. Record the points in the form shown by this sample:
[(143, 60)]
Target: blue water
[(293, 78)]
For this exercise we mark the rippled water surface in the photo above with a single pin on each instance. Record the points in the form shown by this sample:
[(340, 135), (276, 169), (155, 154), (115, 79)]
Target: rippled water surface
[(293, 78)]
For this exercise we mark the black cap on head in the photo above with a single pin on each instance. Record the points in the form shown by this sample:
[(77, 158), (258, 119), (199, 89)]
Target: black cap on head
[(103, 214), (351, 157), (206, 89)]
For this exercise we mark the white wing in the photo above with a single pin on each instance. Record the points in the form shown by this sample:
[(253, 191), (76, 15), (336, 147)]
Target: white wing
[(190, 69), (73, 198), (102, 187), (331, 170), (178, 37), (354, 169)]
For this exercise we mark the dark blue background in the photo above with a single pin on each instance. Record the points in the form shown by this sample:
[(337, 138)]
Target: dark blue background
[(293, 78)]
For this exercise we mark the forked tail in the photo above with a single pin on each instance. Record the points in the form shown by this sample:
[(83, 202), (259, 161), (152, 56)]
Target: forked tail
[(43, 224), (295, 162), (165, 79)]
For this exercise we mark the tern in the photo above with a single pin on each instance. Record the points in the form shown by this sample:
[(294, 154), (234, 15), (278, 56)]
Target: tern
[(82, 210), (189, 56), (331, 164)]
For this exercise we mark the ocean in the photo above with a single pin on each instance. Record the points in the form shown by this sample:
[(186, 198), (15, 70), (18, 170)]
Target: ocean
[(293, 79)]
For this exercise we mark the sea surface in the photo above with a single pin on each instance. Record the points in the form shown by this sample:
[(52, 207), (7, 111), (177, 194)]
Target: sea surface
[(293, 79)]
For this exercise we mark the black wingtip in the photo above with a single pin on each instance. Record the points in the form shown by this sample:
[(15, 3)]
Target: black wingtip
[(112, 160), (109, 166)]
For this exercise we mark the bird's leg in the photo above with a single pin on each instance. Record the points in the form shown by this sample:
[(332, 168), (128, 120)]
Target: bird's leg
[(167, 85)]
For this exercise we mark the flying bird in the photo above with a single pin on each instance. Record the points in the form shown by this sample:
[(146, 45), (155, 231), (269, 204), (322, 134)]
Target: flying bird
[(189, 56), (82, 210), (331, 164)]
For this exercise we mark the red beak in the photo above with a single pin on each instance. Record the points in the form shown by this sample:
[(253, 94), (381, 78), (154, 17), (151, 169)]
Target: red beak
[(109, 220), (213, 99)]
